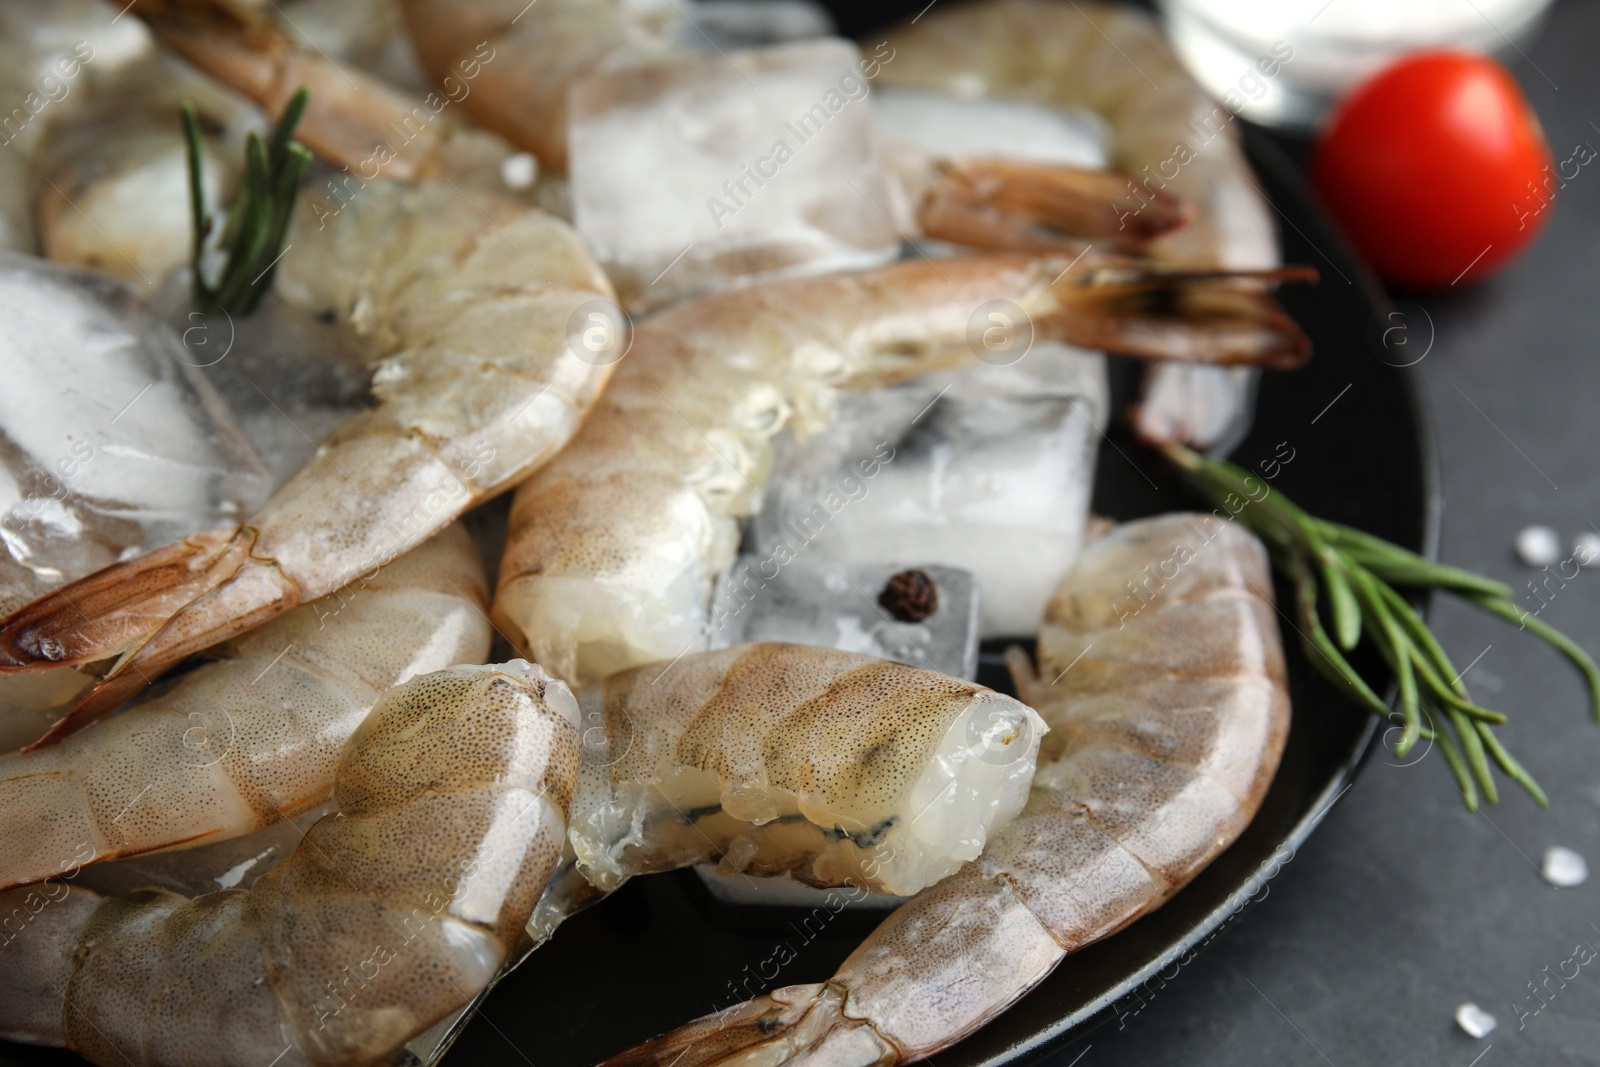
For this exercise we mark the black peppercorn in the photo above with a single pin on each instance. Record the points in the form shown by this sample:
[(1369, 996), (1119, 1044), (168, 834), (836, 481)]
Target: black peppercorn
[(910, 596)]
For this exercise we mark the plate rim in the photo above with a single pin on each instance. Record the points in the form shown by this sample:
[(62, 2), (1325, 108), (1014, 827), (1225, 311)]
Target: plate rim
[(1265, 154)]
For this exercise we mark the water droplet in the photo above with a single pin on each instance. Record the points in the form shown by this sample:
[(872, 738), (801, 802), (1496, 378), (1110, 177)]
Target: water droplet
[(1564, 867), (1538, 546), (1474, 1020)]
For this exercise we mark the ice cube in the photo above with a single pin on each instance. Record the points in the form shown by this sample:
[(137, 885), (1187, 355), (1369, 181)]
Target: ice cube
[(985, 468), (289, 374), (114, 441), (795, 593), (702, 170)]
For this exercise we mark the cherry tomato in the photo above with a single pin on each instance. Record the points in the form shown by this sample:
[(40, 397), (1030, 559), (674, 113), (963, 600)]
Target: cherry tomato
[(1437, 169)]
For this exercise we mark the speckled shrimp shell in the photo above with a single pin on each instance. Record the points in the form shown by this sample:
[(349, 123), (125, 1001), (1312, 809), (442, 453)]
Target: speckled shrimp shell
[(1166, 132), (395, 910), (614, 546), (1168, 708), (836, 768), (463, 302), (250, 740)]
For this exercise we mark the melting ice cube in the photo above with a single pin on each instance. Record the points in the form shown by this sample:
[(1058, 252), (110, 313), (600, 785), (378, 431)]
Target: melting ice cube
[(289, 374), (114, 440), (707, 169), (987, 469)]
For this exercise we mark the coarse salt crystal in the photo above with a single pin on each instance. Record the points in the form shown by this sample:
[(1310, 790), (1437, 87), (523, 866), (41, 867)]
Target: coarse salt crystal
[(1564, 867), (1586, 549), (1474, 1020), (1538, 546)]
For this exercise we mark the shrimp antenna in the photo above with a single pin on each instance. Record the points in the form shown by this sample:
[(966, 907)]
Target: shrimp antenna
[(1359, 573), (257, 220)]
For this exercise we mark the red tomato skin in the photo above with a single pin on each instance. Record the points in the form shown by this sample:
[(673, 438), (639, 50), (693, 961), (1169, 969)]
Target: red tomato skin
[(1436, 163)]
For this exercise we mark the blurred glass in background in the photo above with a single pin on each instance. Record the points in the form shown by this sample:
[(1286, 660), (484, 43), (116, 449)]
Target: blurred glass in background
[(1331, 45)]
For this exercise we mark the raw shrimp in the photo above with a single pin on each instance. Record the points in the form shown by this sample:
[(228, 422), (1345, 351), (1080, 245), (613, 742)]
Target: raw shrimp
[(355, 119), (113, 178), (110, 445), (833, 767), (615, 545), (1171, 137), (838, 768), (464, 302), (394, 911), (512, 67), (50, 57), (1165, 692), (558, 43), (776, 758), (248, 741), (543, 49)]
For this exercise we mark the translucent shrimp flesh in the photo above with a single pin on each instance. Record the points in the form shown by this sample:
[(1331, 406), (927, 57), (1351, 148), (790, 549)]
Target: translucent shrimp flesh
[(770, 759), (792, 759), (395, 910), (1162, 680), (614, 546), (252, 738)]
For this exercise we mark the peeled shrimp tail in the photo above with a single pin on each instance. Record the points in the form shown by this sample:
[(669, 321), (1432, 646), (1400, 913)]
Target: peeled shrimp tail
[(1168, 706), (254, 738), (794, 1024), (1183, 314), (157, 583), (1027, 206), (1167, 134), (464, 304), (392, 912)]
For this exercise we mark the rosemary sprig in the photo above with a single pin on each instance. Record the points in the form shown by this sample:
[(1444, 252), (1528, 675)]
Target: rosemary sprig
[(1359, 574), (257, 220)]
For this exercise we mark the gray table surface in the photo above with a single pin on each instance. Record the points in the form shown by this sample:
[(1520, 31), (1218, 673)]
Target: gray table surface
[(1403, 905)]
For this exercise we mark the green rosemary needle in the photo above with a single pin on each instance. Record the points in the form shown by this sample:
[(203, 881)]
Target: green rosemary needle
[(1359, 574), (257, 220)]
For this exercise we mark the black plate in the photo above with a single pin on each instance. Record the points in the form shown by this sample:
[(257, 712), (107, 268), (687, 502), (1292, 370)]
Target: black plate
[(659, 952)]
